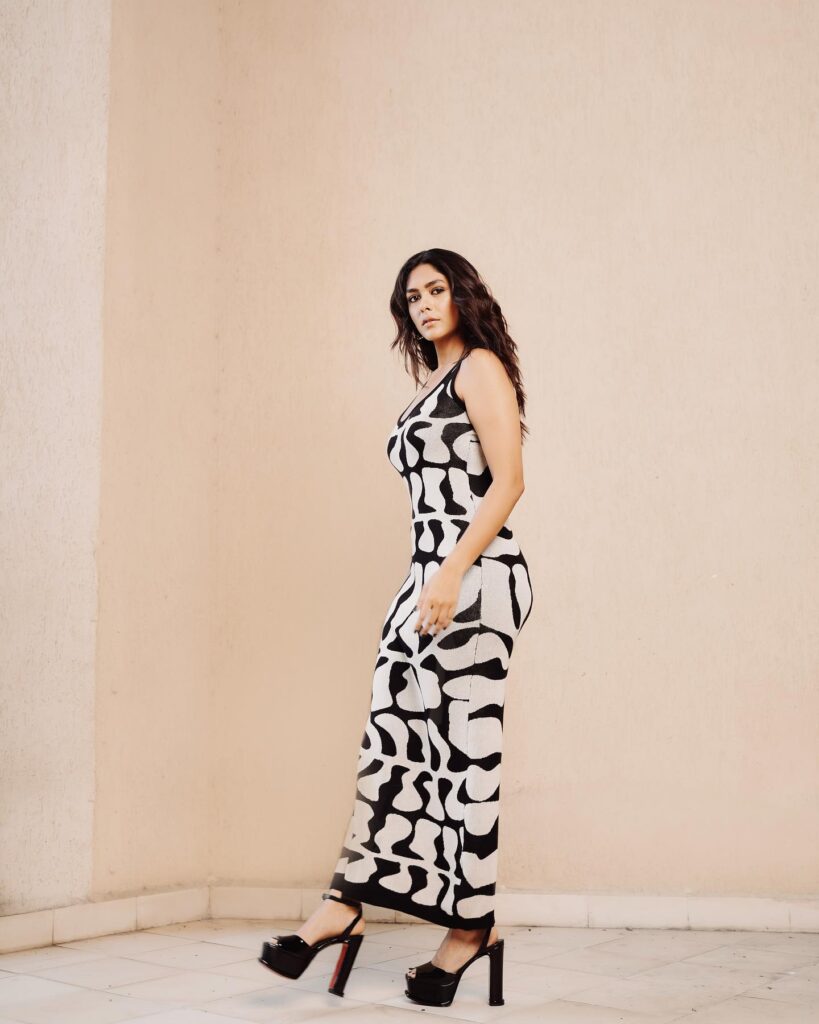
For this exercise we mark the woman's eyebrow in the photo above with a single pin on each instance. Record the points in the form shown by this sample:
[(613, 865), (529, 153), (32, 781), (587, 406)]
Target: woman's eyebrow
[(429, 284)]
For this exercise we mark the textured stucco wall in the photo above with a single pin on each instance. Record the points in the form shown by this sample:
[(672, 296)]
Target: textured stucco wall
[(53, 127), (155, 802)]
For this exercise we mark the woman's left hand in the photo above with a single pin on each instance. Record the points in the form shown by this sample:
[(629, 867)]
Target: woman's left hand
[(439, 599)]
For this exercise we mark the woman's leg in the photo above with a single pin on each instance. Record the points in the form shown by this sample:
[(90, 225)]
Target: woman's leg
[(458, 946), (329, 918)]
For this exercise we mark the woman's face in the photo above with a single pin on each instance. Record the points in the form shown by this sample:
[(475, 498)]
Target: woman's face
[(430, 304)]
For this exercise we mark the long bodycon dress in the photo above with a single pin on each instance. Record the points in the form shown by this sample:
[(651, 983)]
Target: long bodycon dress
[(423, 835)]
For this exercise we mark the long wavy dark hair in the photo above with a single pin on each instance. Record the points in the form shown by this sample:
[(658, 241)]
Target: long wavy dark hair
[(481, 322)]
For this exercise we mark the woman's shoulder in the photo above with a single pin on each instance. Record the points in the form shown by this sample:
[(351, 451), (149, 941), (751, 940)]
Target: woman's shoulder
[(480, 367), (482, 357)]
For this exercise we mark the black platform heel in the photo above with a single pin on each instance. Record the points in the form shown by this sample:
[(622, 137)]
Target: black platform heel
[(290, 954), (434, 986)]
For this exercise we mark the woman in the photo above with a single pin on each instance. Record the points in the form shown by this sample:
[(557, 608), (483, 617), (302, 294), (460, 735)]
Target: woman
[(423, 834)]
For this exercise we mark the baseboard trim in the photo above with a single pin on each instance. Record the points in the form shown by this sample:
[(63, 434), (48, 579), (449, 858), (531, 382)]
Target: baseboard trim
[(512, 908)]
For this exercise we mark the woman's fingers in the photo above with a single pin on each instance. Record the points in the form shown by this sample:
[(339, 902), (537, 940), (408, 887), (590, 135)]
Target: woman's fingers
[(437, 602), (432, 618), (426, 615)]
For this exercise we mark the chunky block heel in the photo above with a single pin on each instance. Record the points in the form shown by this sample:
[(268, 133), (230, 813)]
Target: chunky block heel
[(495, 954), (344, 964), (290, 955), (433, 986)]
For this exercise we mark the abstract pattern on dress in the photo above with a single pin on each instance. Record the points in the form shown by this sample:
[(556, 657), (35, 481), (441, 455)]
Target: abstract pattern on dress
[(423, 835)]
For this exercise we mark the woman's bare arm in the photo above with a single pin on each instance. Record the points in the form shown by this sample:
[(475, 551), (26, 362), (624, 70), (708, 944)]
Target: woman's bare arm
[(491, 403)]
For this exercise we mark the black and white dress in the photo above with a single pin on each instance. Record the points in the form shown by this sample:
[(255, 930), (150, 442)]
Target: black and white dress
[(423, 835)]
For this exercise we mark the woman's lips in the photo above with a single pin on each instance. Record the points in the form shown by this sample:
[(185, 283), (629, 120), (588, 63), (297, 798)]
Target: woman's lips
[(434, 320)]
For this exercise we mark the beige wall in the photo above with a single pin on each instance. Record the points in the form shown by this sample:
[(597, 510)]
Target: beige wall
[(156, 805), (53, 125), (637, 184)]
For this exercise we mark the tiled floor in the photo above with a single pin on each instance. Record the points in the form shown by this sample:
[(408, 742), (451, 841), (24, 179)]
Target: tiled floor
[(206, 972)]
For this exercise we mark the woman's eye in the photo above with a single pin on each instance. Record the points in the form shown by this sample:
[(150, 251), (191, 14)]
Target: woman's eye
[(435, 291)]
